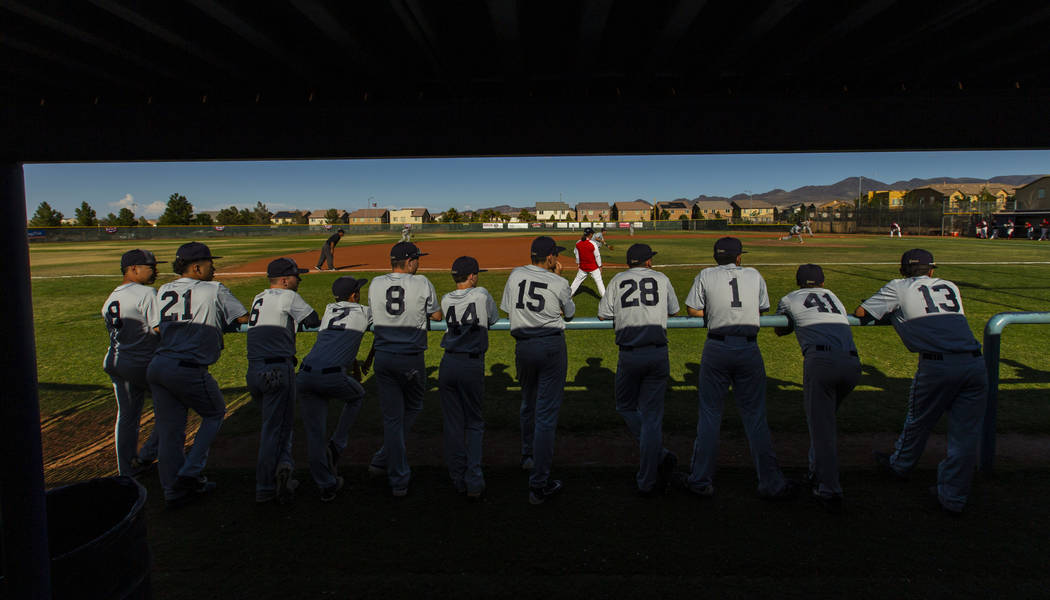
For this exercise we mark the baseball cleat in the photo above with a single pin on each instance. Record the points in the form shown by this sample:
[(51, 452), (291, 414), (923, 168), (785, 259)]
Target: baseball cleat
[(666, 469), (140, 466), (526, 462), (189, 489), (542, 494), (882, 459), (475, 494), (285, 485), (680, 481), (329, 493), (936, 496)]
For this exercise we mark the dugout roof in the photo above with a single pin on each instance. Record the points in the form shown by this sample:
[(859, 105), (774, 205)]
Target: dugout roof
[(213, 79)]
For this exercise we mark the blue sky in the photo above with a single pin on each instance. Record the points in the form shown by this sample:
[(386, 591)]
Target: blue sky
[(467, 183)]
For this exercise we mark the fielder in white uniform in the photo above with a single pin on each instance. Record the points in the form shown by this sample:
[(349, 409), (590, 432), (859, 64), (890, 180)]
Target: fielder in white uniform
[(469, 312), (131, 312), (323, 376), (588, 262), (830, 371), (194, 313), (275, 316)]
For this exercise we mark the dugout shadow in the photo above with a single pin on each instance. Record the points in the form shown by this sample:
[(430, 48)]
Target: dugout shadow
[(584, 289), (1024, 373)]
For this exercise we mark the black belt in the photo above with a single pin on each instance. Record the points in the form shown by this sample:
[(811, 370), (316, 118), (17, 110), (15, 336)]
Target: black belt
[(467, 354), (643, 347), (400, 353), (821, 348), (324, 371), (722, 338), (940, 356), (275, 360), (539, 336), (190, 365)]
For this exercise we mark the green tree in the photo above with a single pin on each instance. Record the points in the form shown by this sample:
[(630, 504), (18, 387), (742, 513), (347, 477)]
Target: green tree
[(111, 219), (178, 212), (331, 216), (125, 218), (552, 219), (245, 217), (261, 215), (665, 215), (143, 222), (203, 219), (301, 218), (228, 216), (45, 216), (451, 216), (86, 215), (526, 216)]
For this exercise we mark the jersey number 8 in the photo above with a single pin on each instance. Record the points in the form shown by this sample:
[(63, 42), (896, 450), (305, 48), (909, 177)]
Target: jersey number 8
[(395, 300)]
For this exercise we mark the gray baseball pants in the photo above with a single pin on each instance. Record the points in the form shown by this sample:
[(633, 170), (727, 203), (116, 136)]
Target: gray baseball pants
[(272, 388), (327, 254), (313, 390), (641, 382), (735, 362), (827, 378), (956, 384), (461, 385), (402, 380), (178, 386), (542, 364), (129, 388)]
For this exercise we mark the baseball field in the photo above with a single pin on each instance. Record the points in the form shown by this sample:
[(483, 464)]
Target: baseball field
[(598, 538)]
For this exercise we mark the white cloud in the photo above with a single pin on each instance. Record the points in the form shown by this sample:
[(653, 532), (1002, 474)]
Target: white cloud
[(128, 201), (154, 209)]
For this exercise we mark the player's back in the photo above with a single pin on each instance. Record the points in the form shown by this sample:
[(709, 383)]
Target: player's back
[(468, 315), (732, 298), (639, 301), (131, 314), (193, 314), (339, 338), (819, 318), (401, 304), (272, 322), (535, 299), (927, 313)]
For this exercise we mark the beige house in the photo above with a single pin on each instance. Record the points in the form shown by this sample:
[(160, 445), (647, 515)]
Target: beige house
[(675, 209), (635, 210), (412, 216), (592, 211), (712, 209), (364, 216), (1033, 197), (753, 211), (560, 211), (892, 199), (319, 217), (285, 217)]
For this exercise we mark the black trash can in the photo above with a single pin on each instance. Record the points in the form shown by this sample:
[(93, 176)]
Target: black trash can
[(97, 540)]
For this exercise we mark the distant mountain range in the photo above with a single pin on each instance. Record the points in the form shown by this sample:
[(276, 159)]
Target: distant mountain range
[(847, 189)]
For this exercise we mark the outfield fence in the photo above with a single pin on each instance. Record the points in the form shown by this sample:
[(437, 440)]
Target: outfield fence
[(992, 334)]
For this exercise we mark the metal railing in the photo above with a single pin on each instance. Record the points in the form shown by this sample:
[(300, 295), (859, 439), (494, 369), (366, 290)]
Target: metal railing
[(993, 331)]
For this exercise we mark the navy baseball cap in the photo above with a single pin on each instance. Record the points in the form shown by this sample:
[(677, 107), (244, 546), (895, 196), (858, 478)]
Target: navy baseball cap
[(466, 265), (346, 285), (194, 251), (138, 257), (404, 250), (809, 275), (282, 267), (589, 230), (639, 253), (728, 246), (917, 256), (544, 246)]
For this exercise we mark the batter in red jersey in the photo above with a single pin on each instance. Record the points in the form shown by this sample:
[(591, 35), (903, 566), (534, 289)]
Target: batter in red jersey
[(588, 261)]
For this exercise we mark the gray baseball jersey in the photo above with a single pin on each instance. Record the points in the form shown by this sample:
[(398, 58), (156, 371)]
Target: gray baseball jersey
[(731, 297), (272, 322), (339, 339), (131, 313), (468, 315), (819, 318), (639, 301), (193, 314), (927, 313), (536, 299), (401, 304)]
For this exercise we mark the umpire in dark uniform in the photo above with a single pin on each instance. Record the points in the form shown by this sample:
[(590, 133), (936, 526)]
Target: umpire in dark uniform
[(328, 250)]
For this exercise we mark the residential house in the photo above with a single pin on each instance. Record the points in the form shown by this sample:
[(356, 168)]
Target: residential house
[(285, 217), (753, 210), (1035, 196), (369, 216), (836, 209), (712, 209), (588, 212), (958, 196), (892, 199), (320, 216), (559, 211), (635, 210), (413, 216), (676, 209)]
